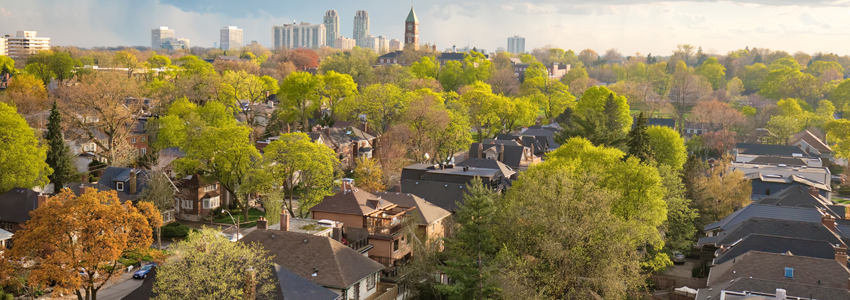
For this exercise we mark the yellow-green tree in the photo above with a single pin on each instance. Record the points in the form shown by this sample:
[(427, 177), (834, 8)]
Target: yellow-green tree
[(296, 161), (299, 94), (368, 175), (715, 72), (22, 159)]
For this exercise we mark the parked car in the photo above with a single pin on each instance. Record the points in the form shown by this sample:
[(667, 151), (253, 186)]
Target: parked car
[(231, 236), (143, 272), (678, 257)]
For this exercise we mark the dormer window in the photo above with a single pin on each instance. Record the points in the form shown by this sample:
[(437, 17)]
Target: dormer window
[(119, 186), (789, 272)]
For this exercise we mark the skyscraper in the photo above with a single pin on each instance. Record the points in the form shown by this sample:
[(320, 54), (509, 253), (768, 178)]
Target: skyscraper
[(157, 34), (516, 44), (361, 28), (332, 27), (231, 38), (304, 35), (411, 30)]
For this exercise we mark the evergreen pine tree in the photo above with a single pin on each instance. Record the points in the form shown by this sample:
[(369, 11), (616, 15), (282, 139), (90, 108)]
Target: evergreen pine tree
[(58, 153), (612, 127), (471, 252), (639, 140)]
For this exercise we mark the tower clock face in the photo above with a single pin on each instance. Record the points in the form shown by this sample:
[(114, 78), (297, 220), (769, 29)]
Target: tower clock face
[(409, 27)]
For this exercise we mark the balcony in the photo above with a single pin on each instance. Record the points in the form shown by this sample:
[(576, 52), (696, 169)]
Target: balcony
[(357, 239), (386, 231), (388, 222), (385, 291)]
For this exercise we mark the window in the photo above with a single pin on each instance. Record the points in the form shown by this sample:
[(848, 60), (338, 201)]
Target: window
[(187, 204), (134, 140), (395, 246), (168, 216), (370, 281), (210, 203), (789, 272), (206, 204), (144, 138), (7, 226), (143, 151), (211, 187), (119, 186)]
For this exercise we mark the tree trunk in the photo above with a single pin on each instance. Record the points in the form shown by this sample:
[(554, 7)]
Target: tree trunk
[(159, 237)]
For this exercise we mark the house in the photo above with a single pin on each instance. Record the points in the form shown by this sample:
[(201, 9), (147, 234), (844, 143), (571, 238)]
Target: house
[(137, 136), (764, 211), (785, 268), (810, 143), (487, 163), (348, 143), (325, 262), (769, 150), (556, 70), (5, 240), (84, 148), (15, 206), (765, 184), (807, 197), (443, 194), (509, 152), (449, 173), (775, 155), (432, 219), (386, 222), (127, 182), (779, 245), (744, 288), (824, 230), (767, 179), (391, 58), (198, 198)]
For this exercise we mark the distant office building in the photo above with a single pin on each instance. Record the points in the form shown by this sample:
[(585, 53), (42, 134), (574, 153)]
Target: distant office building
[(231, 38), (395, 45), (361, 28), (24, 44), (158, 34), (2, 45), (172, 43), (344, 43), (332, 27), (411, 30), (379, 44), (500, 49), (516, 44), (304, 35), (466, 49)]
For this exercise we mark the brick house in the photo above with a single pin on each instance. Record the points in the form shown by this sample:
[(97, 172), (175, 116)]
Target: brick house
[(349, 143), (198, 198), (137, 137)]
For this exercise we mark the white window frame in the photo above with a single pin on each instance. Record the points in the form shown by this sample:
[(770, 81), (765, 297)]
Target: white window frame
[(133, 140), (371, 282), (215, 201), (187, 204), (119, 186), (143, 151), (211, 187)]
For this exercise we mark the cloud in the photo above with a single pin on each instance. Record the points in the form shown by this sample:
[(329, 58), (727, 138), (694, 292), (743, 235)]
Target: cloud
[(693, 21), (5, 13)]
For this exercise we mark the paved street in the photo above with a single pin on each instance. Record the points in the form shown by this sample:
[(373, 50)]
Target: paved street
[(121, 289)]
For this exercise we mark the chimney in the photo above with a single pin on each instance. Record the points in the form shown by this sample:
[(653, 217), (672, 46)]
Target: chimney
[(480, 150), (262, 223), (82, 189), (132, 182), (284, 221), (344, 187), (336, 233), (42, 199), (841, 254), (250, 286), (398, 187), (780, 294), (814, 191), (828, 221), (84, 178), (502, 153)]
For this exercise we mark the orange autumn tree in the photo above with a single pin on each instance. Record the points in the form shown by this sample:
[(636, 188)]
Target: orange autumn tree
[(76, 242)]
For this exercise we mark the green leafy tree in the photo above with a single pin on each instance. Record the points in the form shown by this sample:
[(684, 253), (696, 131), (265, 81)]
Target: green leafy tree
[(720, 193), (223, 266), (58, 153), (471, 252), (550, 95), (158, 61), (573, 74), (456, 137), (780, 129), (22, 159), (299, 93), (357, 63), (679, 228), (426, 67), (476, 67), (7, 65), (40, 70), (451, 75), (594, 99), (243, 91), (668, 147), (338, 89), (840, 96), (789, 83), (369, 176), (715, 72), (477, 102), (753, 76), (160, 192), (295, 160), (638, 143), (383, 105)]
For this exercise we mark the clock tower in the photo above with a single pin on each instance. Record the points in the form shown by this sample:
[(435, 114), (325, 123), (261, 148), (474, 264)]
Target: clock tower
[(411, 30)]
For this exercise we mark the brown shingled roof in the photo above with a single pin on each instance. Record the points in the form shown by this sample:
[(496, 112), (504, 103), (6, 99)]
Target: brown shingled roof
[(771, 266), (428, 212), (354, 202)]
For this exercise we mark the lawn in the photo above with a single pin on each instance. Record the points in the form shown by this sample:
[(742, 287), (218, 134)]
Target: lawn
[(253, 215)]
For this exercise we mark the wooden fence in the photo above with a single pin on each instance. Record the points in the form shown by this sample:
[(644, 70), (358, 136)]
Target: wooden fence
[(664, 282)]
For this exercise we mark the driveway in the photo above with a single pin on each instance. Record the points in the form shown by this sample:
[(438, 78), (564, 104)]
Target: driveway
[(683, 270)]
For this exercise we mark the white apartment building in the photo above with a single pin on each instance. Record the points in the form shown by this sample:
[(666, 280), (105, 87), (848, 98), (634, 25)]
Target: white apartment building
[(2, 46), (304, 35), (332, 27), (344, 43), (516, 44), (157, 36), (24, 44), (361, 28), (395, 45), (172, 43), (231, 38)]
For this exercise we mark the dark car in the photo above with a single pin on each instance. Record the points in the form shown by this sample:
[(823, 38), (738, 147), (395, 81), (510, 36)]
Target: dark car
[(143, 272)]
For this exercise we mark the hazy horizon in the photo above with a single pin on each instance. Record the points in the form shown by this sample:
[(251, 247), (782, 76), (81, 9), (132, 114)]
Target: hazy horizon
[(630, 26)]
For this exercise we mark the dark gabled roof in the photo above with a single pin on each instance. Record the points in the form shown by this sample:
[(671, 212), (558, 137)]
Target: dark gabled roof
[(442, 194), (427, 212), (488, 164), (762, 149), (811, 139), (394, 54), (771, 266), (775, 160), (742, 284), (513, 151), (335, 264), (658, 122), (766, 211), (451, 56), (800, 196), (115, 174), (294, 287), (778, 244), (16, 204), (773, 227), (354, 202)]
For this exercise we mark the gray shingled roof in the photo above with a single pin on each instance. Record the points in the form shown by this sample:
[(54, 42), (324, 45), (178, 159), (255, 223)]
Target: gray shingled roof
[(762, 149), (766, 211), (488, 164), (16, 204), (775, 160), (513, 151), (771, 266), (113, 174), (777, 244), (294, 287), (773, 227), (811, 139), (742, 284), (444, 195), (335, 264), (800, 196)]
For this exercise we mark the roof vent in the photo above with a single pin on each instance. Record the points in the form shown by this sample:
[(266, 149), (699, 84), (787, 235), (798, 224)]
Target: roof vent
[(315, 272), (305, 240)]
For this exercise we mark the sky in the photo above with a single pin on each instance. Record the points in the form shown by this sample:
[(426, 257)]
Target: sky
[(632, 27)]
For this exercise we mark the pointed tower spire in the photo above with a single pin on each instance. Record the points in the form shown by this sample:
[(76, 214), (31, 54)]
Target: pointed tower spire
[(411, 17)]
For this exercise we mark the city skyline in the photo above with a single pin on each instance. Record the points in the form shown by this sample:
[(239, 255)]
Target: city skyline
[(643, 26)]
